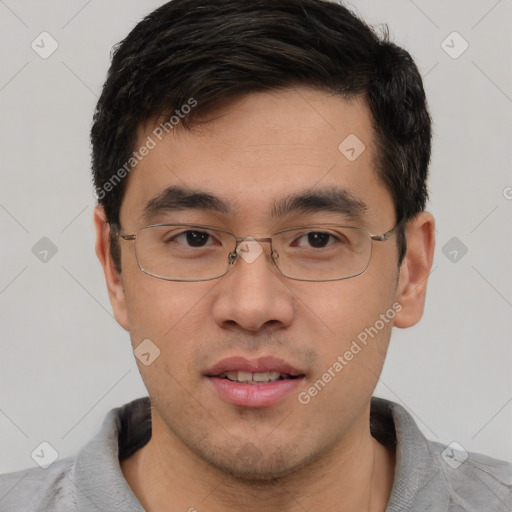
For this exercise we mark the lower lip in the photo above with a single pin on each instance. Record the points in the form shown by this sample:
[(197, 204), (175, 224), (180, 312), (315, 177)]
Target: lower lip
[(254, 395)]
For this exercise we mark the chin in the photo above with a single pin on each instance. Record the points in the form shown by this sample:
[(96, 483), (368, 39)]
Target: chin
[(260, 472), (250, 465)]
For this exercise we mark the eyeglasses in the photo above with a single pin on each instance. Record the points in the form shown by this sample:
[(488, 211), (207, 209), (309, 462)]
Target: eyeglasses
[(191, 252)]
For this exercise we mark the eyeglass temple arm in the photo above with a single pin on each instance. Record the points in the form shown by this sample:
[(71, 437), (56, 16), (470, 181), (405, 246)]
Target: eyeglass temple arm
[(385, 236), (114, 229)]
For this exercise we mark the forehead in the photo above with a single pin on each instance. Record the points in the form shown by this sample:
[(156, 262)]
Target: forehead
[(261, 148)]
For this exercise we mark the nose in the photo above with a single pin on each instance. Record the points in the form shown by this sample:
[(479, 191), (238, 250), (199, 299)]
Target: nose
[(253, 296)]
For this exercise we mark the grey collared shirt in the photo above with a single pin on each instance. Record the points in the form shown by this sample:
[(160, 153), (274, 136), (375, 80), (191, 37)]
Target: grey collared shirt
[(429, 476)]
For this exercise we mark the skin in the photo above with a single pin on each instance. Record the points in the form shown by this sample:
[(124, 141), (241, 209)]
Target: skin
[(319, 456)]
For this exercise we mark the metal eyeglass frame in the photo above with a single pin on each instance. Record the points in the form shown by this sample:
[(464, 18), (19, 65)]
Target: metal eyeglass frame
[(233, 255)]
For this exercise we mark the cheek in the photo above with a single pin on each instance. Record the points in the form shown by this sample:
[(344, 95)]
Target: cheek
[(340, 310), (165, 310), (350, 363), (351, 323), (172, 316)]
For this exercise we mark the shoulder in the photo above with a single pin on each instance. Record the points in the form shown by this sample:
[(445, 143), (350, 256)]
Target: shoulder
[(38, 489), (430, 476), (92, 480), (474, 482)]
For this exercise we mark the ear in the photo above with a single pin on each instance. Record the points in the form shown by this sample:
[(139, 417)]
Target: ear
[(415, 269), (112, 277)]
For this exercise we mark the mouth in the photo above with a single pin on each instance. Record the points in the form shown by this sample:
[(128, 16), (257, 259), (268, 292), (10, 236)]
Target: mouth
[(257, 377), (254, 383)]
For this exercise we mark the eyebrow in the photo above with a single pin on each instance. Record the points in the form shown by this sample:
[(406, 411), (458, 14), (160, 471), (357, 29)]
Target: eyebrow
[(332, 199), (177, 198)]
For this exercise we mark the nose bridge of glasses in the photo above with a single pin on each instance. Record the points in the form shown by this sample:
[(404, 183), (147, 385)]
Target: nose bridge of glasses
[(249, 249), (239, 240), (251, 244)]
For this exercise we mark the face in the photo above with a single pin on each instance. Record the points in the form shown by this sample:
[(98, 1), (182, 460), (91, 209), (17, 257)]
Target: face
[(264, 149)]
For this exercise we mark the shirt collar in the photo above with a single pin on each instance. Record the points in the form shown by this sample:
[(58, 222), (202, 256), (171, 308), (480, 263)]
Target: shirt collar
[(98, 479), (100, 484)]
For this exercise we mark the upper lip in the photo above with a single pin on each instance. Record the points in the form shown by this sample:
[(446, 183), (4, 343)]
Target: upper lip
[(261, 364)]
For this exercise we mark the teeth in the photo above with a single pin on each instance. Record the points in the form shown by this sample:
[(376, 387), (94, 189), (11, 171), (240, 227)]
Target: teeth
[(253, 378), (260, 377), (244, 376)]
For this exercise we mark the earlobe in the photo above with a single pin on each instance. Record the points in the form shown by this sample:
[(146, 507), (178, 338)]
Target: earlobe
[(415, 269), (112, 277)]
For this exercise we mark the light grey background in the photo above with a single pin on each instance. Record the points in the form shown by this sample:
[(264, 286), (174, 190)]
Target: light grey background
[(65, 362)]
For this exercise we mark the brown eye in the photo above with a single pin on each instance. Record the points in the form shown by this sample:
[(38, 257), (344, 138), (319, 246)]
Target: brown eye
[(318, 240), (315, 240), (196, 238), (192, 239)]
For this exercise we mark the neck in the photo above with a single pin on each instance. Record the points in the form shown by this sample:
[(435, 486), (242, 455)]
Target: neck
[(356, 475)]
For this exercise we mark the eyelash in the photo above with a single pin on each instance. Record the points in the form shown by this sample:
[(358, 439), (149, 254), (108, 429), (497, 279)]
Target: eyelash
[(332, 237)]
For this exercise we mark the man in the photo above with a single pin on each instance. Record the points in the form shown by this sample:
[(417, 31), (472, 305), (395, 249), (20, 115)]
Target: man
[(261, 174)]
